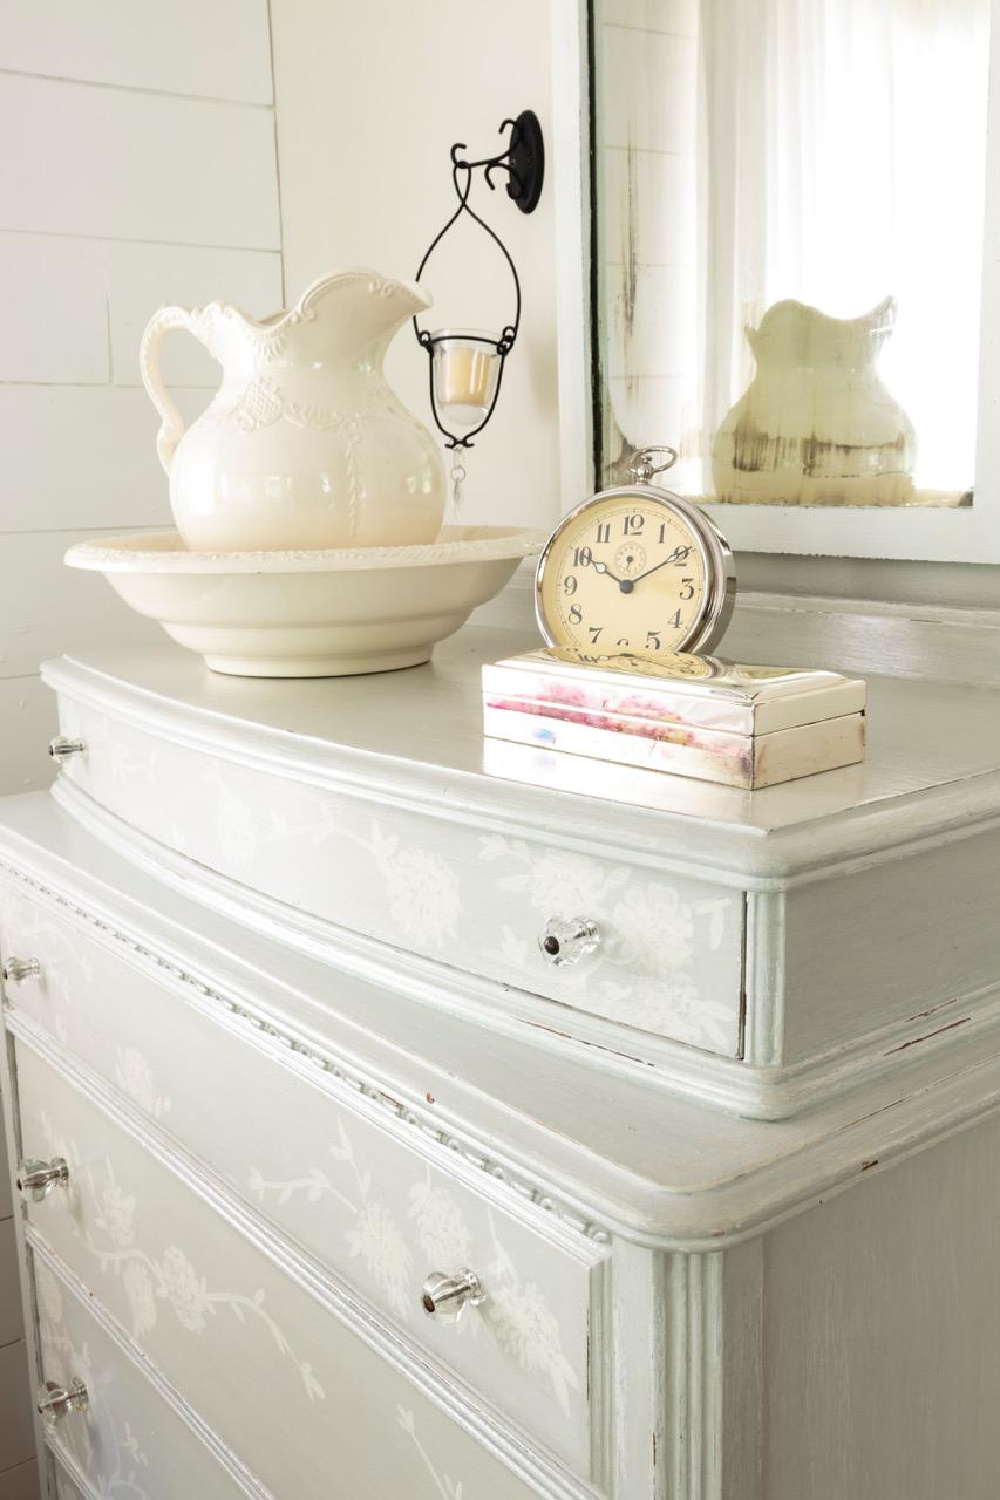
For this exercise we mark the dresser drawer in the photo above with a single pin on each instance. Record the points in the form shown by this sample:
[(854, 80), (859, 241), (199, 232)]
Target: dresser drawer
[(669, 961), (276, 1358), (374, 1198), (129, 1442)]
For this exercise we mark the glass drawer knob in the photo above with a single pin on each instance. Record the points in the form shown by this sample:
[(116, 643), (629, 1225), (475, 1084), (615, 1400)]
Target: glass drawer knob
[(36, 1179), (61, 748), (57, 1401), (15, 970), (566, 942), (447, 1297)]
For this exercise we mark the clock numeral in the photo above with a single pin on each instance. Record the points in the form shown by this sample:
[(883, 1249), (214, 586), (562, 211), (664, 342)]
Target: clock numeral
[(663, 534), (632, 525), (676, 621), (653, 642), (604, 531), (623, 641), (687, 584), (570, 585), (595, 633), (582, 557), (576, 615), (681, 555)]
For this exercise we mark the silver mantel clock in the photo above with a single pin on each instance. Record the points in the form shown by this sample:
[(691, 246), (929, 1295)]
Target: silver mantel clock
[(636, 570)]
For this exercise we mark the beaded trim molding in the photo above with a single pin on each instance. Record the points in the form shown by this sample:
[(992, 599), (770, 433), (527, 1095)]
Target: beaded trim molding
[(519, 1183)]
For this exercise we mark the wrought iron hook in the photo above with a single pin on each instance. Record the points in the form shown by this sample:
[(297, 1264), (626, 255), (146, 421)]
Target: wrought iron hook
[(523, 159)]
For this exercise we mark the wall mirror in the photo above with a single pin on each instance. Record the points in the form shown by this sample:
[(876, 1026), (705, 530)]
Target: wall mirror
[(796, 266)]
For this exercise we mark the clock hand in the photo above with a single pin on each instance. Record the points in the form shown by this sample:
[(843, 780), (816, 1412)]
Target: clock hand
[(625, 584), (678, 555)]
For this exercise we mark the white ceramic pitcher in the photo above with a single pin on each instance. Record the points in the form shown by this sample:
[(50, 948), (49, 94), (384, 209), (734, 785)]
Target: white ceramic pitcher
[(304, 444)]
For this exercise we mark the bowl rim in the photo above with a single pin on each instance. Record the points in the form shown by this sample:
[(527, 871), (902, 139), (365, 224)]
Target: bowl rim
[(164, 552)]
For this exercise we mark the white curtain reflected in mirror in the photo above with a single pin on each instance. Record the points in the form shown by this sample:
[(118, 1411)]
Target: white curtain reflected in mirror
[(790, 205)]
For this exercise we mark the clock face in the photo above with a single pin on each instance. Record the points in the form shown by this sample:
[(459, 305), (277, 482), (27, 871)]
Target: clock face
[(634, 571)]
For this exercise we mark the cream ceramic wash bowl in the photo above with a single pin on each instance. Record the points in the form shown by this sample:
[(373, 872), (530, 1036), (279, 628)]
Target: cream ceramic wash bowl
[(322, 613)]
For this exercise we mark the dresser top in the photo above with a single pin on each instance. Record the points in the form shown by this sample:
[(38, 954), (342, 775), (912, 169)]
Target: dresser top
[(932, 762)]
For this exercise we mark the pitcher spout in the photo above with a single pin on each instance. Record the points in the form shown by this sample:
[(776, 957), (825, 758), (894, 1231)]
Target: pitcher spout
[(359, 308)]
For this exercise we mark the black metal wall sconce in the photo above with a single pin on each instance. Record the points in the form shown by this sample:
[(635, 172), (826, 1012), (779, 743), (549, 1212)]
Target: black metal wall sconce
[(465, 365)]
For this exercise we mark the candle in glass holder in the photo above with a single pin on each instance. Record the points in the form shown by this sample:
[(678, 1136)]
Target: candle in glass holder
[(466, 371)]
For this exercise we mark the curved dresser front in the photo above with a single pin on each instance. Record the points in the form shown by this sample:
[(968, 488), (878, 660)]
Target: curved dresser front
[(332, 1184)]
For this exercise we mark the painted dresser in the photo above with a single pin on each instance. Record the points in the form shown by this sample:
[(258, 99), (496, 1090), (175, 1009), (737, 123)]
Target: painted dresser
[(403, 1117)]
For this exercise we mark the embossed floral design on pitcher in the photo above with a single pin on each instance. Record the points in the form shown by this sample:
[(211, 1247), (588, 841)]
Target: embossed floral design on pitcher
[(304, 445)]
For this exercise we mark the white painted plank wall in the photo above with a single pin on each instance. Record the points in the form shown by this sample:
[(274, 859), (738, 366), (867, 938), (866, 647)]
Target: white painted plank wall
[(141, 169)]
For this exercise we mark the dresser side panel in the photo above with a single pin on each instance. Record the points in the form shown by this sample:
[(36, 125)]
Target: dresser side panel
[(917, 938), (882, 1334)]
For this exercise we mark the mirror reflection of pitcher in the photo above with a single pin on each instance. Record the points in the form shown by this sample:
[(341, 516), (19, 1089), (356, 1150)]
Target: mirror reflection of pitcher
[(817, 424)]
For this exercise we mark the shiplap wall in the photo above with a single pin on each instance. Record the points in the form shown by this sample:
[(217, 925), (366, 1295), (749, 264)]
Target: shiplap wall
[(139, 167)]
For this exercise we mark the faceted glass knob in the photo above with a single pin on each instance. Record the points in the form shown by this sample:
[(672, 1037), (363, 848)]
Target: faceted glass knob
[(15, 970), (447, 1297), (61, 748), (566, 942), (57, 1401), (36, 1179)]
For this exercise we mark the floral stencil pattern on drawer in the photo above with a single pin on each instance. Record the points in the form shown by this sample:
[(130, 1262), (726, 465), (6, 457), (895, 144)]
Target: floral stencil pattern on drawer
[(644, 972), (117, 1454), (213, 1288), (127, 1445), (169, 1277), (365, 1191), (670, 964), (134, 1076), (516, 1310), (447, 1489)]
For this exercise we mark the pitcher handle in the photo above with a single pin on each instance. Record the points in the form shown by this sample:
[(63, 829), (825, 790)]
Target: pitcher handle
[(172, 423)]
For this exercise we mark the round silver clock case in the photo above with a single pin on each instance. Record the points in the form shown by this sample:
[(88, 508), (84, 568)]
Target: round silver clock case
[(716, 556)]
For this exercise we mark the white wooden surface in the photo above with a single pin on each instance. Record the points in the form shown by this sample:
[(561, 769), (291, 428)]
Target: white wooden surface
[(142, 170), (219, 1294), (882, 1335), (333, 1175), (930, 746), (796, 1304), (709, 942), (657, 1167), (130, 1439), (740, 1361)]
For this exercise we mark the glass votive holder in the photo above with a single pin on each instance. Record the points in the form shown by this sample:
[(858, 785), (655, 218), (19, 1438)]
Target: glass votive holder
[(466, 371)]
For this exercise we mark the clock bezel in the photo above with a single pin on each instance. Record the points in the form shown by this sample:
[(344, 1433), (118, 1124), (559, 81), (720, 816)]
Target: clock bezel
[(716, 556)]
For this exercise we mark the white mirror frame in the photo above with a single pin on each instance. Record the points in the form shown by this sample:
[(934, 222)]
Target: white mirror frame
[(966, 534)]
